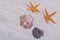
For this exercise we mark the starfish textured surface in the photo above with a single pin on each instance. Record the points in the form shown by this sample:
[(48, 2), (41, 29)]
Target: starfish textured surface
[(33, 7), (48, 17)]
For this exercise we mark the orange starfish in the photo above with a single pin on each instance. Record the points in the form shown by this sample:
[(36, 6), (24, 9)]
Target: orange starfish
[(48, 17), (33, 8)]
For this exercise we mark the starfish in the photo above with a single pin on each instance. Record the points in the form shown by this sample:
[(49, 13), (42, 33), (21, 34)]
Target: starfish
[(48, 17), (33, 7)]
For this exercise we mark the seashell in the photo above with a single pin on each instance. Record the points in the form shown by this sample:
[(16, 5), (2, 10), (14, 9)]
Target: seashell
[(26, 21)]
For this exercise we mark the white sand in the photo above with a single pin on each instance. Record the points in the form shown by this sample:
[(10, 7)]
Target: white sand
[(11, 10)]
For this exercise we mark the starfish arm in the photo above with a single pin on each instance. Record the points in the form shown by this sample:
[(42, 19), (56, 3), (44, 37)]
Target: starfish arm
[(46, 19), (37, 10), (46, 12), (28, 8), (53, 14), (52, 20), (31, 4), (37, 5)]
